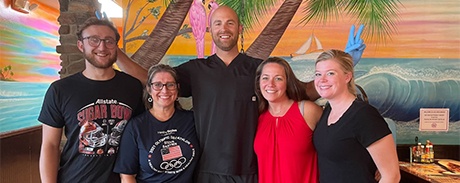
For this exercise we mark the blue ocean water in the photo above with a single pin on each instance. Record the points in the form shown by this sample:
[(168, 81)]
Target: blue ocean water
[(398, 88), (20, 104)]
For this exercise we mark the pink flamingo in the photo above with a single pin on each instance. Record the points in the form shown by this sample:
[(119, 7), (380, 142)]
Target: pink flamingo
[(212, 7), (197, 15)]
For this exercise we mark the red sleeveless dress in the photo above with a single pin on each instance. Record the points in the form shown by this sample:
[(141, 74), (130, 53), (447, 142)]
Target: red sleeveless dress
[(284, 148)]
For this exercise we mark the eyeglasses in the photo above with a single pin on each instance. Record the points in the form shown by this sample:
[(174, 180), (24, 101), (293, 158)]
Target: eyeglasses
[(95, 41), (159, 86)]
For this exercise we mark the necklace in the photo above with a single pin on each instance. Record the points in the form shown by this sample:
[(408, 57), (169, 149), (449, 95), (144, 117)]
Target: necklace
[(281, 109)]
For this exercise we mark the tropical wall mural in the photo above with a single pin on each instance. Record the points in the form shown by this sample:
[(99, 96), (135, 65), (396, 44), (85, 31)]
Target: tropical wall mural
[(412, 59), (28, 63)]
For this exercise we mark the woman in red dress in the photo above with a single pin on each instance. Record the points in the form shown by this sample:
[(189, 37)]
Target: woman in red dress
[(283, 141)]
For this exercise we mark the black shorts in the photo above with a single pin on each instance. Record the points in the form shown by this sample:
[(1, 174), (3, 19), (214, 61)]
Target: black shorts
[(201, 177)]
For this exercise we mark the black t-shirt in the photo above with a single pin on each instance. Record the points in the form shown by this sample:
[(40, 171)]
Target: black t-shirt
[(341, 147), (225, 107), (159, 151), (93, 115)]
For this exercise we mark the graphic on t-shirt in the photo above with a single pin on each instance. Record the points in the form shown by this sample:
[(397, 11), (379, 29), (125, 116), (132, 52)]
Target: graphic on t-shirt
[(102, 124), (171, 154), (92, 135), (115, 136)]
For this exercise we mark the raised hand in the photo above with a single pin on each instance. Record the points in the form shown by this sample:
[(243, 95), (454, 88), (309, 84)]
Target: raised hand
[(101, 16), (355, 45)]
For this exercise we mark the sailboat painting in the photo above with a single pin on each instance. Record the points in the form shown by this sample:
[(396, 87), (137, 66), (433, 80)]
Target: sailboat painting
[(303, 52)]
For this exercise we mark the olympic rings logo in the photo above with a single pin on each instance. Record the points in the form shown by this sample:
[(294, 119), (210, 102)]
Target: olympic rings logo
[(175, 163)]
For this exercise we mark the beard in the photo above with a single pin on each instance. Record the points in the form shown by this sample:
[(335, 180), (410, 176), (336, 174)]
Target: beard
[(225, 46), (90, 57)]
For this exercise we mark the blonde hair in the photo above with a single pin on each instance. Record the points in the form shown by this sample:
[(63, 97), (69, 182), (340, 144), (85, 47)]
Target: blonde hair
[(346, 63)]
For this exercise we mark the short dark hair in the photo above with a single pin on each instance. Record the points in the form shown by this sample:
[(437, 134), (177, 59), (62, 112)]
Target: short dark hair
[(94, 21)]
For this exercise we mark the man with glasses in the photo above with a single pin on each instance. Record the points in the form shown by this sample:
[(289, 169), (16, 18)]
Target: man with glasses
[(92, 108)]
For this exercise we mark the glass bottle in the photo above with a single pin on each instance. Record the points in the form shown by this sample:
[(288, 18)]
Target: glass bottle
[(418, 153), (430, 151)]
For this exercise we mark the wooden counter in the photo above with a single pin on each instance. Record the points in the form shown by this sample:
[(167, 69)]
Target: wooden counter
[(418, 172), (19, 154)]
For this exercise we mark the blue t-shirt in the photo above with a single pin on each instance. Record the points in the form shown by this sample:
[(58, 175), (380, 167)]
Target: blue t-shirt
[(159, 151)]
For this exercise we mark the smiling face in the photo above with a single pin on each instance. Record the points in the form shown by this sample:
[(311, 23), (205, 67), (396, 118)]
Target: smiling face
[(165, 97), (273, 82), (99, 57), (225, 28), (331, 81)]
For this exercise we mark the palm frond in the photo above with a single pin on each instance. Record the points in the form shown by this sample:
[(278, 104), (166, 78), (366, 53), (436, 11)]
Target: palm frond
[(249, 11), (379, 16), (319, 11)]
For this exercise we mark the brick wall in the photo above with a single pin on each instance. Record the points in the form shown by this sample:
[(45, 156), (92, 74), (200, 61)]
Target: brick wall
[(20, 151), (73, 13)]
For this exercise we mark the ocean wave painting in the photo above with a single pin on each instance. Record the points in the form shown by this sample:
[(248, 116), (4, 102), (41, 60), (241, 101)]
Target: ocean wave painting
[(401, 99), (398, 88), (20, 103)]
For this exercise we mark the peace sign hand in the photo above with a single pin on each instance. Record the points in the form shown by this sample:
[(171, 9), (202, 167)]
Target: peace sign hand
[(355, 45)]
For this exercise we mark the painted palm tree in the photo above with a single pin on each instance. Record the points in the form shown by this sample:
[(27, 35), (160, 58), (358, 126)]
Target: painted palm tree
[(378, 16), (160, 39)]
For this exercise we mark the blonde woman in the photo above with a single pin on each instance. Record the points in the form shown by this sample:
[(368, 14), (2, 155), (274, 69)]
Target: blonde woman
[(352, 138)]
